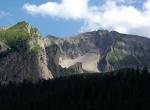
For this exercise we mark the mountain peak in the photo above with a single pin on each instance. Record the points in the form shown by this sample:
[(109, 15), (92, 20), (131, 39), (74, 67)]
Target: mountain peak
[(23, 25), (23, 22)]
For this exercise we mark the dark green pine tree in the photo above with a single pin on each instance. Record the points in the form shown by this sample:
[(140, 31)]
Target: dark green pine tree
[(145, 70)]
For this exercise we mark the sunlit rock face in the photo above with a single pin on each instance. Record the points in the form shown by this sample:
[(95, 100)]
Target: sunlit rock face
[(25, 55), (22, 54), (102, 51)]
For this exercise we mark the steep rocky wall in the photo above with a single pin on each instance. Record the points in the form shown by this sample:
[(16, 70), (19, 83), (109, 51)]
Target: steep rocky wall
[(27, 61), (102, 51), (53, 54), (25, 55)]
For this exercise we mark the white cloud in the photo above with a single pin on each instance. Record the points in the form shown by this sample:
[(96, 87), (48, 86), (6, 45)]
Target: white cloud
[(119, 15), (3, 14), (68, 9)]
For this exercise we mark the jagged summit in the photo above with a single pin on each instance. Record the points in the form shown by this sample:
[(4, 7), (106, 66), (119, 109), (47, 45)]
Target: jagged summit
[(21, 24), (26, 27), (101, 50)]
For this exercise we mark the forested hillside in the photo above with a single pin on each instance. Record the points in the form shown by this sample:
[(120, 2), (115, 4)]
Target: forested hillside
[(125, 89)]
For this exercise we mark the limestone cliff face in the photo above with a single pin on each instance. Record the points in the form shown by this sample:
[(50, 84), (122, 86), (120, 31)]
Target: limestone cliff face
[(24, 55), (101, 51), (53, 54), (23, 59)]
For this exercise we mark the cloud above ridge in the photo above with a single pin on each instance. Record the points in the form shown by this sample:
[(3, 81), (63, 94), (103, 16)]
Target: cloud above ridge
[(118, 15)]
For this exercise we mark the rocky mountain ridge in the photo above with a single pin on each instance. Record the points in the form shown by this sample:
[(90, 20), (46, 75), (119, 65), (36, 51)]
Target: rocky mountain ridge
[(102, 51), (25, 55)]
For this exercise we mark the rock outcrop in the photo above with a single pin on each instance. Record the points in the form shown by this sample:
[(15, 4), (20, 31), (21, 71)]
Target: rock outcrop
[(22, 54)]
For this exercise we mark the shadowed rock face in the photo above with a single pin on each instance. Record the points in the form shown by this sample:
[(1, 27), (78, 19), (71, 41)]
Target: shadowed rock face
[(53, 53), (101, 51)]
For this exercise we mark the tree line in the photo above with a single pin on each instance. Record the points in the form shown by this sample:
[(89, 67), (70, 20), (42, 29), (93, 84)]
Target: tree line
[(126, 89)]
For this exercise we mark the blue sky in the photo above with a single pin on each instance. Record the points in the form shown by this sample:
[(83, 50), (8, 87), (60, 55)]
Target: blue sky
[(46, 25), (70, 17)]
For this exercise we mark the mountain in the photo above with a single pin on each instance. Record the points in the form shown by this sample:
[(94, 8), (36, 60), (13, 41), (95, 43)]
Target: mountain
[(22, 54), (25, 55), (100, 51)]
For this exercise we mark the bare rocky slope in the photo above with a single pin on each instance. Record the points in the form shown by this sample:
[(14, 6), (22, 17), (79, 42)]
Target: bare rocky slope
[(100, 51), (25, 55)]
